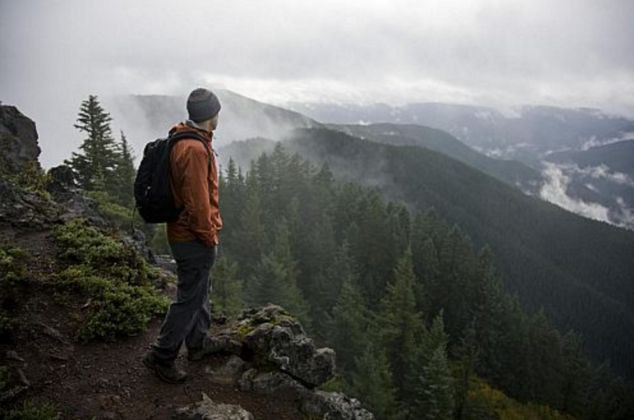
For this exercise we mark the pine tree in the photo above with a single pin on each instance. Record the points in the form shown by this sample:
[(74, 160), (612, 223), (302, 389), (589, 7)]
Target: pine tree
[(372, 383), (275, 278), (249, 234), (434, 399), (98, 156), (227, 288), (401, 326), (124, 174), (348, 335)]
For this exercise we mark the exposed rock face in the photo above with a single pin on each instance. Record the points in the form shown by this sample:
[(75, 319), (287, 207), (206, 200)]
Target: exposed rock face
[(18, 141), (334, 406), (20, 206), (282, 360), (229, 373), (24, 208), (207, 409), (61, 181), (274, 339)]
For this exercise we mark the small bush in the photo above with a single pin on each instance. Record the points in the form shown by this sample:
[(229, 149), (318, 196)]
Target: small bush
[(34, 179), (12, 266), (85, 245), (13, 275), (114, 275), (108, 208), (117, 308), (32, 411), (485, 401)]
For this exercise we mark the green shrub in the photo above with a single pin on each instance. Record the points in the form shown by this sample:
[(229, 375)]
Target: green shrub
[(485, 401), (159, 243), (117, 308), (13, 275), (31, 178), (32, 411), (84, 244), (12, 266), (114, 275), (114, 212)]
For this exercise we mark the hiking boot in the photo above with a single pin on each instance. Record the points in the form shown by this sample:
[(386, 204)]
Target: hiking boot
[(214, 345), (166, 372)]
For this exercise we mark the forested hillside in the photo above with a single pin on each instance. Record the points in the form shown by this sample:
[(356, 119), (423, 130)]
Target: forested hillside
[(510, 171), (618, 156), (578, 270), (418, 316)]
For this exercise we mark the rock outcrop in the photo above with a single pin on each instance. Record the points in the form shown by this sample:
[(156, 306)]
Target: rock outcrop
[(207, 409), (276, 357), (24, 208), (18, 141), (23, 204)]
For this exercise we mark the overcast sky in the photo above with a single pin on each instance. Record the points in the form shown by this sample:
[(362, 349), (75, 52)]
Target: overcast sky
[(492, 52)]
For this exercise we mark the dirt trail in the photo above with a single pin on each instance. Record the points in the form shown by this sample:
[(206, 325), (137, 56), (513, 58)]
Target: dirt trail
[(106, 380)]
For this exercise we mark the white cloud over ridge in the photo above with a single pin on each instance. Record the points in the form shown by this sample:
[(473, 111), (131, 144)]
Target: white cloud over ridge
[(555, 190)]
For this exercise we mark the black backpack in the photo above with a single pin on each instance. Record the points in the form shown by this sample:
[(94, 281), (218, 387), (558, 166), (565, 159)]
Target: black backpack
[(152, 191)]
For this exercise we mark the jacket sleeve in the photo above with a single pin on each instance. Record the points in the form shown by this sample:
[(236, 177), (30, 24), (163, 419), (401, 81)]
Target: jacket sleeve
[(194, 167)]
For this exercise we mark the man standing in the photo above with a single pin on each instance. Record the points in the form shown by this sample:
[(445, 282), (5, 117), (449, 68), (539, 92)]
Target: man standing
[(193, 238)]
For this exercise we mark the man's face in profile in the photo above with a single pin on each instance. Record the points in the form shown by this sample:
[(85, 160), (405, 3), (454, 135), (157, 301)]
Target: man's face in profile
[(214, 121)]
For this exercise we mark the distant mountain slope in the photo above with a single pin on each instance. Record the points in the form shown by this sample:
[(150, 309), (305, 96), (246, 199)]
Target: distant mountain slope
[(602, 175), (525, 134), (618, 156), (146, 117), (511, 172), (580, 271)]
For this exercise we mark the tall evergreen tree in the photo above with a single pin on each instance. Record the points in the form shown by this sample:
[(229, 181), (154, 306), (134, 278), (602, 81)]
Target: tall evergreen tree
[(124, 173), (249, 234), (434, 399), (98, 155), (276, 276), (348, 334), (227, 287), (372, 383), (401, 326)]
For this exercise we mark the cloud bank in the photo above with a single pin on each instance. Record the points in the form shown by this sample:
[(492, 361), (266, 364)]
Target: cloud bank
[(490, 52)]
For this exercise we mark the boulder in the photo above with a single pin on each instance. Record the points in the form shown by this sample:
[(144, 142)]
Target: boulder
[(207, 409), (25, 205), (334, 406), (313, 403), (273, 340), (61, 182), (229, 373), (19, 149), (272, 383)]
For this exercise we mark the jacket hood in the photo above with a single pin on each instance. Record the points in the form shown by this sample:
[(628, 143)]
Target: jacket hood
[(190, 126)]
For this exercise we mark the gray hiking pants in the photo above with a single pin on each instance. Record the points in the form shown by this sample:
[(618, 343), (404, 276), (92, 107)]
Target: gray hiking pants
[(188, 318)]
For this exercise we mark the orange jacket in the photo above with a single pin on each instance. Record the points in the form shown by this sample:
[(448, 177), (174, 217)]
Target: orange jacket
[(194, 183)]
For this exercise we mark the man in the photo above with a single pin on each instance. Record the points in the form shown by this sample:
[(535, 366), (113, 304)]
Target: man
[(193, 239)]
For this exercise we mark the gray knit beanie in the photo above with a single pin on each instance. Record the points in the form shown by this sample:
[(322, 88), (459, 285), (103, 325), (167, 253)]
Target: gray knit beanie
[(202, 104)]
